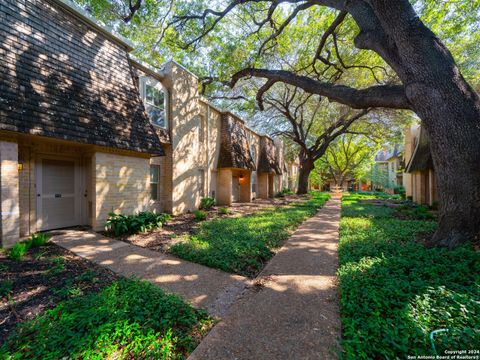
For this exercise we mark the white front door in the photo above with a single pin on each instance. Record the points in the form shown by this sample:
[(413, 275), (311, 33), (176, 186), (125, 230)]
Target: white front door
[(58, 193)]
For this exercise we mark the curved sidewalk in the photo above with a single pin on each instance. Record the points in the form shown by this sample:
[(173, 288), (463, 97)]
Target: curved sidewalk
[(202, 286), (292, 312)]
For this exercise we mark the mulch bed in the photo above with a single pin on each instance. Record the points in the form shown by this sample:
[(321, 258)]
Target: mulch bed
[(183, 225), (45, 276)]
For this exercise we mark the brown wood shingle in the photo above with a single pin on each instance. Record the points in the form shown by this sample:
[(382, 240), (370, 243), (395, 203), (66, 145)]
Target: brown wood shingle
[(63, 79), (234, 147)]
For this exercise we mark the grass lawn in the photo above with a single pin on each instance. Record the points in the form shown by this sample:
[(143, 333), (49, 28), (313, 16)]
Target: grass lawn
[(82, 313), (395, 292), (242, 245)]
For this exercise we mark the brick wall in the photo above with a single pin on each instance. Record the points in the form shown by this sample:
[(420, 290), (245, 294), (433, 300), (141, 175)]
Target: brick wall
[(9, 204), (121, 184), (164, 202)]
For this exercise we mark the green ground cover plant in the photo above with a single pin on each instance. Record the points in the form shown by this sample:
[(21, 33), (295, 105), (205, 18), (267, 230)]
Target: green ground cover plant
[(19, 249), (207, 203), (242, 245), (395, 291), (127, 319), (200, 215), (133, 224)]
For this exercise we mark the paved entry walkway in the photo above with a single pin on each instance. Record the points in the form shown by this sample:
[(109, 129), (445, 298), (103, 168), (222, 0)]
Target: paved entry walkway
[(202, 286), (292, 313)]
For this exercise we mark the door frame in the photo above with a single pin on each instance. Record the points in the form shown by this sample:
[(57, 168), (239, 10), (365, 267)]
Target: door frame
[(79, 186)]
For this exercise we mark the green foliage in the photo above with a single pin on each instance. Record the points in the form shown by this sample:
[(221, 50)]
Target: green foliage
[(243, 244), (200, 215), (283, 192), (395, 291), (39, 239), (127, 320), (5, 287), (207, 203), (18, 251), (58, 265), (133, 224), (223, 211), (412, 211), (400, 190)]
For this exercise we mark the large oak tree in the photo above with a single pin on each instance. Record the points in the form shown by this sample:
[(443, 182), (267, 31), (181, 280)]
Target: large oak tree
[(430, 84), (427, 79)]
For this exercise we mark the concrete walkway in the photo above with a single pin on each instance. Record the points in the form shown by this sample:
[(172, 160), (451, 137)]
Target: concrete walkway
[(203, 287), (292, 313)]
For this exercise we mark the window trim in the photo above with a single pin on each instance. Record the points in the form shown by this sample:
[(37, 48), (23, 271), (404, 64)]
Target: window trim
[(157, 167), (148, 80)]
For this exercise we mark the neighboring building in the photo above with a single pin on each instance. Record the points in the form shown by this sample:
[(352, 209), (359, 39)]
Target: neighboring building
[(85, 129), (386, 172), (419, 177)]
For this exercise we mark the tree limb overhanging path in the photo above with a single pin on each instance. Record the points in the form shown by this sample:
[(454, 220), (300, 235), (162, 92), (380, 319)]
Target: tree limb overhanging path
[(292, 312)]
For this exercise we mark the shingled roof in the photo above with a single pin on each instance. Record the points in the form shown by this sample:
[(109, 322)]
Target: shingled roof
[(63, 78), (234, 147), (422, 158), (269, 160)]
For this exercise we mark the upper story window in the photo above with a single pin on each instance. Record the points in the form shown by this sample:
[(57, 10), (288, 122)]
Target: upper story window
[(155, 99)]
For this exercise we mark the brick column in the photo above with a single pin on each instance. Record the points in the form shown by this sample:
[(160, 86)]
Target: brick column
[(9, 194), (262, 185), (224, 187)]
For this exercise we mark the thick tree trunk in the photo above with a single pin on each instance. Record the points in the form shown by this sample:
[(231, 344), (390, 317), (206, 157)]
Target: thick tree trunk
[(450, 113), (306, 167)]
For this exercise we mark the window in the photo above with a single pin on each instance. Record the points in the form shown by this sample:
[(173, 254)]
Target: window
[(155, 100), (154, 181), (252, 151)]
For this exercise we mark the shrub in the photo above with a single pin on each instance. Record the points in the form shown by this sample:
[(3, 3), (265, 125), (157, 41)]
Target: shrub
[(132, 224), (129, 319), (223, 211), (200, 215), (39, 239), (207, 203), (18, 251)]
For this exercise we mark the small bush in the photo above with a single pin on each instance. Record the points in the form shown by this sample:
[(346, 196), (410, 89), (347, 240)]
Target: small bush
[(39, 239), (200, 215), (5, 287), (133, 224), (18, 251), (207, 203), (223, 211)]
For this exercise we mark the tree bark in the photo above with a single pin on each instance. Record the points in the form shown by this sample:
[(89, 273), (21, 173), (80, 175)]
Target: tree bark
[(305, 168), (450, 112)]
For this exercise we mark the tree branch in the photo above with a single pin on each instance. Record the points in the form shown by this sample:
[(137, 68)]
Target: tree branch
[(381, 96)]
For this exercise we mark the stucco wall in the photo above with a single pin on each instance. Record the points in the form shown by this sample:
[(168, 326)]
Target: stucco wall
[(121, 184)]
